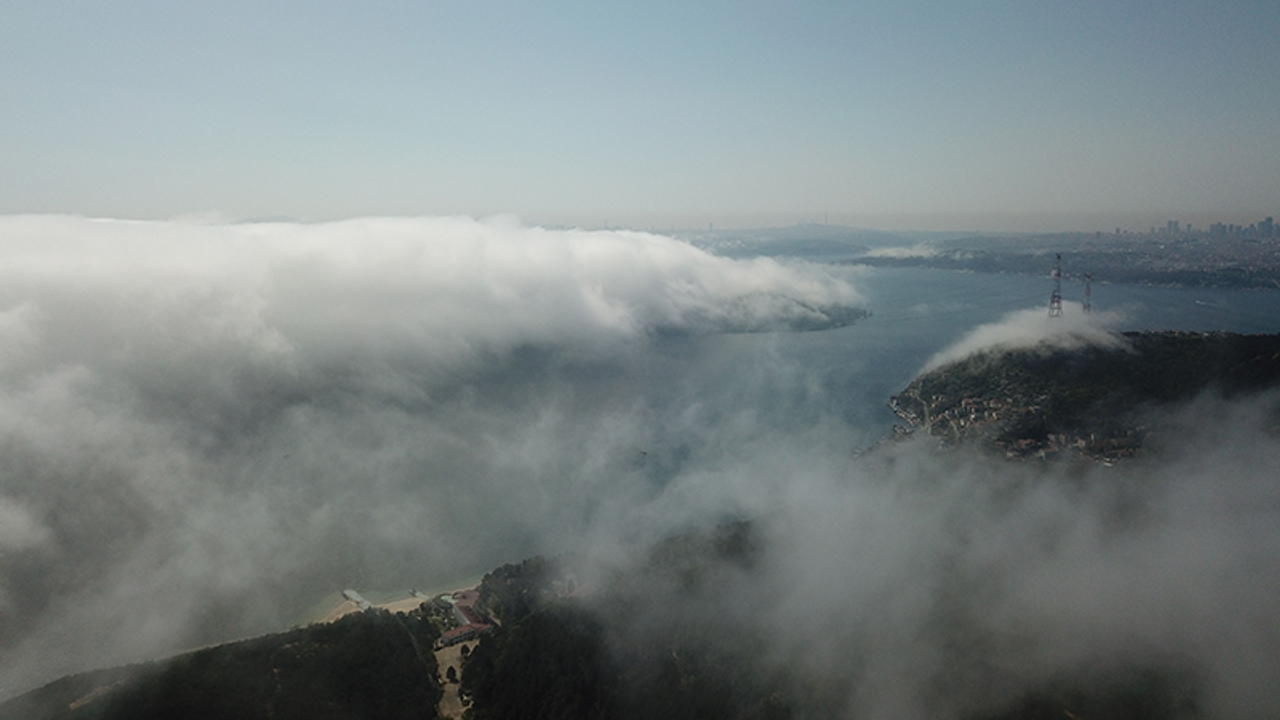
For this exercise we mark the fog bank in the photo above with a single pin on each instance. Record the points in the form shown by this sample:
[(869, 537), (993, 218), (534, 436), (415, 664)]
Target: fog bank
[(920, 583), (205, 428)]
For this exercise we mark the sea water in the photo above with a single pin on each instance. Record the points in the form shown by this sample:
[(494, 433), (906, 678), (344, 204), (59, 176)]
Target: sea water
[(850, 373)]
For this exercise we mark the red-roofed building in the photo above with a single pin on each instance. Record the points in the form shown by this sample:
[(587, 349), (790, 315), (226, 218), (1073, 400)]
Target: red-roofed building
[(460, 634), (471, 623)]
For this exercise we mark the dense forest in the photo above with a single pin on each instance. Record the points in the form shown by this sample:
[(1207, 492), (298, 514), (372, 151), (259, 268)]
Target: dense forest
[(593, 654), (371, 664)]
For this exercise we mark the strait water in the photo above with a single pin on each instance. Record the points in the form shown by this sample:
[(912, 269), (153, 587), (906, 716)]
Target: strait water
[(852, 372)]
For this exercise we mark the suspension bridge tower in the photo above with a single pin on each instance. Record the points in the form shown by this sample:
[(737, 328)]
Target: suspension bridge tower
[(1055, 300)]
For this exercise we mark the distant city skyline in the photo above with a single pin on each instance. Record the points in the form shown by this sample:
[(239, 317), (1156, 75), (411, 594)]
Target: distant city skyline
[(921, 115)]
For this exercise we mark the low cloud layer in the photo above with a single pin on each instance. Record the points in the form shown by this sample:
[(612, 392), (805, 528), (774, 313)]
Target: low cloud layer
[(903, 251), (959, 585), (204, 429), (1033, 328), (207, 427), (915, 583)]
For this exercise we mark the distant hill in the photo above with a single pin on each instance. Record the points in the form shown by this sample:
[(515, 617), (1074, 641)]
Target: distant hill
[(1149, 259), (1041, 401)]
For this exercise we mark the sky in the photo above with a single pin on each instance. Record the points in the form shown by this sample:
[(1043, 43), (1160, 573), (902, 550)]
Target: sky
[(900, 115)]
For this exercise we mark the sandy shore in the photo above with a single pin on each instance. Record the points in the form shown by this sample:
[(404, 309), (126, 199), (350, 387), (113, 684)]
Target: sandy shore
[(400, 603), (346, 607)]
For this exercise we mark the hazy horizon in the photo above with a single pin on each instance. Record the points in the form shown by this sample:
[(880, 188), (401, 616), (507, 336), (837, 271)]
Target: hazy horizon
[(682, 227)]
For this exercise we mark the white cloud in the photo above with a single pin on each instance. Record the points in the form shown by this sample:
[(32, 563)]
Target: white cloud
[(1033, 328), (428, 285), (902, 252), (212, 415)]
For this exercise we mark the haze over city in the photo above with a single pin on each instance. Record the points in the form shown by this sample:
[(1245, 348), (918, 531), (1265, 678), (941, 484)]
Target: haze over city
[(917, 115)]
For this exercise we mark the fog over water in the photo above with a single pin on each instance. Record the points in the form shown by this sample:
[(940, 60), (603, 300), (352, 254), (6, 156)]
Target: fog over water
[(207, 428)]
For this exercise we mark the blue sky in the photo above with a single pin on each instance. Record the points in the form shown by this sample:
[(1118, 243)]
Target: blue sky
[(923, 115)]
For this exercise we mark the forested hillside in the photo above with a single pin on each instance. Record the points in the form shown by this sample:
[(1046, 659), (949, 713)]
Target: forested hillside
[(1089, 400), (371, 664)]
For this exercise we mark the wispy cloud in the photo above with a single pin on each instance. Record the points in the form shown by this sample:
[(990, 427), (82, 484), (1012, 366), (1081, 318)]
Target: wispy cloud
[(912, 251), (1034, 328)]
